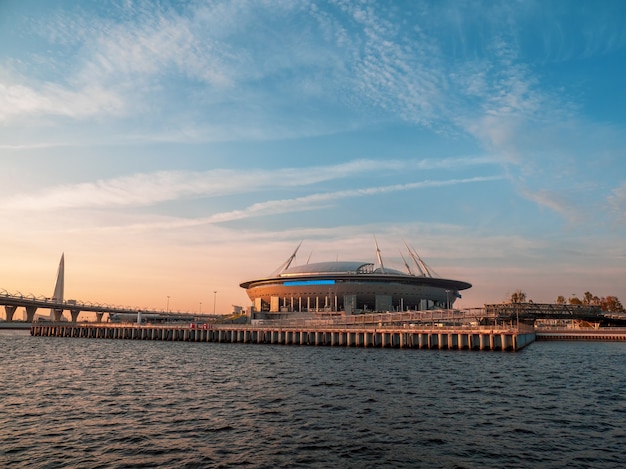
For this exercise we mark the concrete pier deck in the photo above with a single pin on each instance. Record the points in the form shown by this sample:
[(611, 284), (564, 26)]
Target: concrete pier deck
[(605, 334), (504, 338)]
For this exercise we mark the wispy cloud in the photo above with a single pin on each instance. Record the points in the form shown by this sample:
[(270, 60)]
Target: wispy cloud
[(557, 202), (158, 42), (311, 202), (279, 70), (19, 101), (320, 200), (137, 57), (137, 61), (83, 222), (153, 188), (617, 203)]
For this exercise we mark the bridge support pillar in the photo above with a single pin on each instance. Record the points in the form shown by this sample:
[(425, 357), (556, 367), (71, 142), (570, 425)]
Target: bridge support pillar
[(74, 313), (30, 313), (10, 310), (99, 317), (58, 313)]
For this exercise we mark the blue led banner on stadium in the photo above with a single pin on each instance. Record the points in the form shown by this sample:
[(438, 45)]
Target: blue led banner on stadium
[(299, 283)]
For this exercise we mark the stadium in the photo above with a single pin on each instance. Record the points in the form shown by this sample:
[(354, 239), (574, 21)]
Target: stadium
[(353, 287)]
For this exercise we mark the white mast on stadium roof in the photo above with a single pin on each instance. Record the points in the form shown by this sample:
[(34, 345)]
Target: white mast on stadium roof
[(421, 265), (408, 269), (380, 259), (285, 265)]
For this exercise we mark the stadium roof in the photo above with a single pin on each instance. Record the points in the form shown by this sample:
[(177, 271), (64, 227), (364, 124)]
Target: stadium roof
[(348, 269), (343, 267)]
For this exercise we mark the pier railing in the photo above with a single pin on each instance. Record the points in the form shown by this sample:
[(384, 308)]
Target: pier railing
[(441, 317)]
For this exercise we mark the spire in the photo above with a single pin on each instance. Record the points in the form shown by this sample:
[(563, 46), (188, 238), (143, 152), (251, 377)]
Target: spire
[(60, 284), (59, 287)]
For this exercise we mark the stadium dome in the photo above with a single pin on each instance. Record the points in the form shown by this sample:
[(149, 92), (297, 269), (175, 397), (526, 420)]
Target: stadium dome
[(350, 287)]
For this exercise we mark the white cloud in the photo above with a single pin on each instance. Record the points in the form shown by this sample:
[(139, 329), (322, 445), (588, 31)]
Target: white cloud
[(204, 72), (316, 201), (19, 101), (558, 202), (617, 203), (153, 188), (157, 44)]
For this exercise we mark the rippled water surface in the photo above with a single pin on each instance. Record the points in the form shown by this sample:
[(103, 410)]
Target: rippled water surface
[(88, 403)]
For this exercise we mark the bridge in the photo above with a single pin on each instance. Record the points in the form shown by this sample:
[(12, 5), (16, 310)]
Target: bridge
[(31, 304), (531, 312), (57, 305)]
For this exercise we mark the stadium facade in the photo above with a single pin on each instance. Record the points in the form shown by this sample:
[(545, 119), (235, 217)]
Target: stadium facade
[(332, 288)]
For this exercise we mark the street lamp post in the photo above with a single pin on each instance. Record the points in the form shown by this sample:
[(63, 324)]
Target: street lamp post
[(200, 312), (167, 309), (214, 300)]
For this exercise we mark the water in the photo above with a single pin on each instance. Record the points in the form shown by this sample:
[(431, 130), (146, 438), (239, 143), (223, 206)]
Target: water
[(87, 403)]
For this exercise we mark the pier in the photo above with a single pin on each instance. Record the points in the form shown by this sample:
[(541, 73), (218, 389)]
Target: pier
[(454, 338)]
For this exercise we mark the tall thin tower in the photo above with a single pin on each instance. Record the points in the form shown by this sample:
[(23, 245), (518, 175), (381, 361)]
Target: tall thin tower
[(57, 296)]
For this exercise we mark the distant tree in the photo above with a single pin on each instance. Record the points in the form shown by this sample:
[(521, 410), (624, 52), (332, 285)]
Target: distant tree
[(560, 300), (518, 296), (574, 300), (611, 304), (589, 299)]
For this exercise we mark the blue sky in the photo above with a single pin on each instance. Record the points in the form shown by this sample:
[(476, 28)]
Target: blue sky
[(180, 148)]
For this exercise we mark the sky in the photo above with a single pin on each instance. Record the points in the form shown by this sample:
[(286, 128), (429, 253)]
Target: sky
[(174, 149)]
